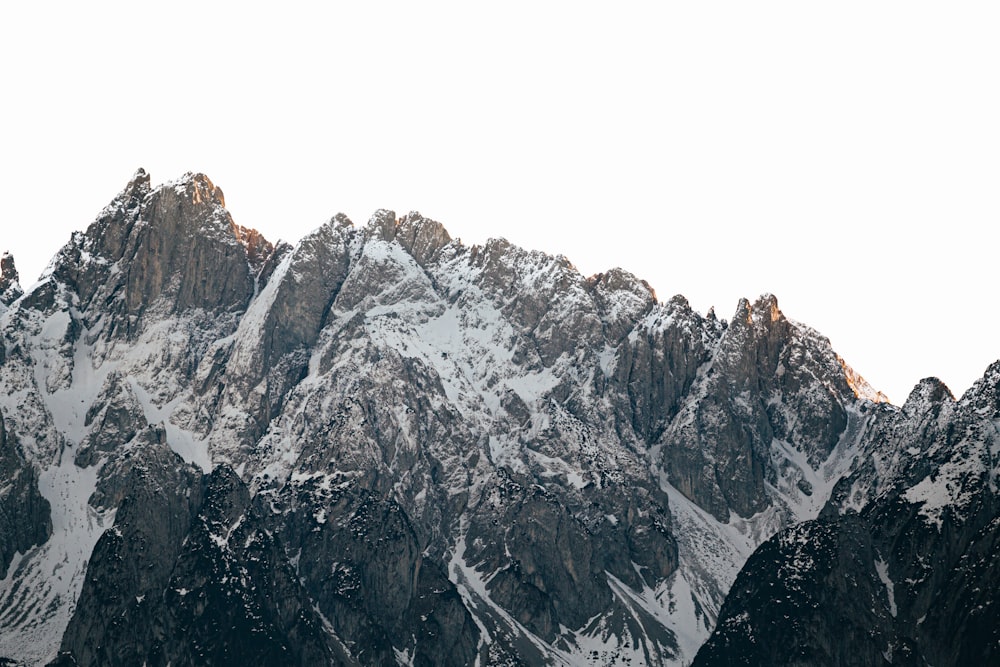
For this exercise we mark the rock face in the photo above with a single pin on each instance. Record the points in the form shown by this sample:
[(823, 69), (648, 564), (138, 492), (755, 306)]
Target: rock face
[(25, 518), (188, 557), (902, 567), (380, 446), (770, 380)]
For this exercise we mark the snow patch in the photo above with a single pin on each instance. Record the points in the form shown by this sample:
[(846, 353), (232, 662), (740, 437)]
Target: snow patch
[(190, 448), (890, 590), (39, 594)]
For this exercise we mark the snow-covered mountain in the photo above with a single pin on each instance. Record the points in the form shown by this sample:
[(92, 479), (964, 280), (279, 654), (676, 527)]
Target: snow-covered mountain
[(381, 446)]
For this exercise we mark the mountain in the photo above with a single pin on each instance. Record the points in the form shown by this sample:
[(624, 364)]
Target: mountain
[(381, 446)]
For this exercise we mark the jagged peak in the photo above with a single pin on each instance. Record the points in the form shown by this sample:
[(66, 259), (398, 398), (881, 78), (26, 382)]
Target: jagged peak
[(617, 279), (679, 301), (928, 392), (258, 248), (198, 187), (984, 394), (764, 310), (381, 225), (744, 313), (10, 288), (340, 220), (8, 272), (422, 237), (139, 181)]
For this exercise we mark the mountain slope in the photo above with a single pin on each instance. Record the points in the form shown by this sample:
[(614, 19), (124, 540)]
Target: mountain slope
[(902, 567)]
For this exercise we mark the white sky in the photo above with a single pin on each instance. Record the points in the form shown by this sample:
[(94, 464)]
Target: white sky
[(844, 156)]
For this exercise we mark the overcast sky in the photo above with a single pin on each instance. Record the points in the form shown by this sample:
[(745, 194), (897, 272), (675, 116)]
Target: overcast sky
[(843, 156)]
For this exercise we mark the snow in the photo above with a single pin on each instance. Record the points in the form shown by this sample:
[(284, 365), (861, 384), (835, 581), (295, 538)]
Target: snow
[(190, 448), (952, 486), (553, 467), (821, 480), (246, 352), (597, 644), (38, 596), (882, 568), (649, 601), (711, 554), (607, 359), (404, 658), (683, 608)]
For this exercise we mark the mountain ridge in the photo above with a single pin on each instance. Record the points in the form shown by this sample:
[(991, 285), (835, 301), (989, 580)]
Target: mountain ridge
[(432, 453)]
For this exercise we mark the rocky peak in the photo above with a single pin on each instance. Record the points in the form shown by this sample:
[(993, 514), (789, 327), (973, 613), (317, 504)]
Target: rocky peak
[(765, 309), (139, 186), (622, 299), (199, 189), (926, 398), (753, 341), (382, 225), (984, 395), (185, 248), (258, 248), (10, 288), (8, 273), (620, 280), (422, 237)]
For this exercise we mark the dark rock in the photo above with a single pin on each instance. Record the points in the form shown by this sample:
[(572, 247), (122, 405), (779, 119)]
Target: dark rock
[(10, 288), (362, 563), (25, 516), (189, 557)]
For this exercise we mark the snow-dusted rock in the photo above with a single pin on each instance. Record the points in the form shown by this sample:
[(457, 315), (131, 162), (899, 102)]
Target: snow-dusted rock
[(380, 445)]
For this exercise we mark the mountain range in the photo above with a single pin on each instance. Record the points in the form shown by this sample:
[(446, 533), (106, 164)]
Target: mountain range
[(382, 446)]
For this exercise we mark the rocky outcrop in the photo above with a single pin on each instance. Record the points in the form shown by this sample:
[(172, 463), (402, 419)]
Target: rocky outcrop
[(10, 288), (790, 583), (121, 602), (115, 419), (552, 562), (422, 238), (25, 516)]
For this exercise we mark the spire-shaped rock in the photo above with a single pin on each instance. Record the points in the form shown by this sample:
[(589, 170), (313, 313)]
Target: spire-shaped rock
[(10, 288), (381, 225)]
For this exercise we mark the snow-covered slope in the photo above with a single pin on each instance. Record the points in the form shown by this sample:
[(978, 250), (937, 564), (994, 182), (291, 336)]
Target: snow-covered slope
[(443, 454)]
